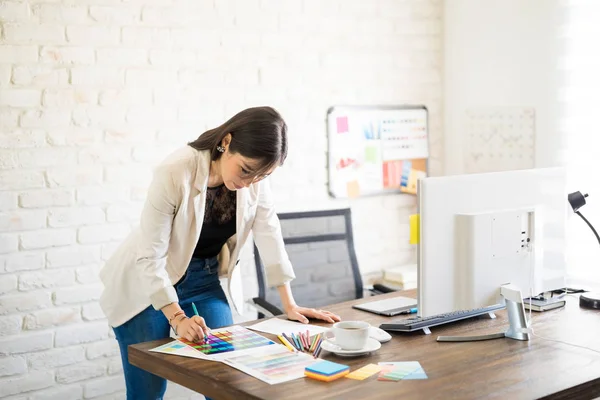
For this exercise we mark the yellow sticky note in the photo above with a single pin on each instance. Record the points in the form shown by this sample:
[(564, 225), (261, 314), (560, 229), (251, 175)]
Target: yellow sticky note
[(415, 226), (364, 372), (353, 189)]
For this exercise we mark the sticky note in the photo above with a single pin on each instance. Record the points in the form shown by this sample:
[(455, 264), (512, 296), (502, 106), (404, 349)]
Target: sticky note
[(415, 228), (342, 124), (413, 178), (364, 372), (325, 378), (353, 189), (371, 154), (326, 368)]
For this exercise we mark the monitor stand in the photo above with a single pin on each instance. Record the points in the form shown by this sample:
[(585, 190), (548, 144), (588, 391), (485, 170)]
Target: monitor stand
[(517, 329)]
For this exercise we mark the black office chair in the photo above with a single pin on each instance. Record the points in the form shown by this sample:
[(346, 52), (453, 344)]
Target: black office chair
[(320, 245)]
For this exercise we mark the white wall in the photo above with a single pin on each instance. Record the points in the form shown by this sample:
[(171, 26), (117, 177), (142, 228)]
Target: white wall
[(501, 53), (540, 54), (579, 101), (95, 92)]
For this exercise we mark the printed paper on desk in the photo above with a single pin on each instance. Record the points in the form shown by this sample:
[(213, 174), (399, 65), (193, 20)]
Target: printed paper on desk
[(247, 351), (272, 365), (277, 326), (179, 349), (220, 343)]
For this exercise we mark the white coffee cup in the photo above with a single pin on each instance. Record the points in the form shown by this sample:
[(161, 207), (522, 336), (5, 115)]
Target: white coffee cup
[(349, 335)]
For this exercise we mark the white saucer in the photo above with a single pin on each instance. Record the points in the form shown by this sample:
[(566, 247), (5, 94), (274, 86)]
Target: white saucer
[(329, 345)]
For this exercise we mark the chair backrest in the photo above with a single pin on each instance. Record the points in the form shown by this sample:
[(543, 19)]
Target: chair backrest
[(321, 248)]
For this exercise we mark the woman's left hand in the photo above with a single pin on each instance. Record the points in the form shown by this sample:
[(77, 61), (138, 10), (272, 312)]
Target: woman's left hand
[(302, 314)]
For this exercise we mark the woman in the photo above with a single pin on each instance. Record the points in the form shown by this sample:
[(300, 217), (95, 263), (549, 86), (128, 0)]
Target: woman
[(205, 197)]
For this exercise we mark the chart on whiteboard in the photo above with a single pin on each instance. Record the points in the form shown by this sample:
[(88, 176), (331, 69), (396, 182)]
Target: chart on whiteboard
[(376, 150), (499, 139)]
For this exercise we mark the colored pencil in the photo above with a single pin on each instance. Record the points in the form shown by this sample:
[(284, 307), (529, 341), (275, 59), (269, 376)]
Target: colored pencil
[(196, 313), (299, 339), (286, 344), (296, 343), (291, 344), (318, 348), (314, 342), (293, 340), (317, 353), (289, 339)]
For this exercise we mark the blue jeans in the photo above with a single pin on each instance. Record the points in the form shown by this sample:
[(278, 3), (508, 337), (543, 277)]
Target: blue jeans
[(200, 285)]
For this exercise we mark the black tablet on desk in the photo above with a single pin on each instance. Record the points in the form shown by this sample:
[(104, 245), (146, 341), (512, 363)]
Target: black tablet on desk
[(388, 307)]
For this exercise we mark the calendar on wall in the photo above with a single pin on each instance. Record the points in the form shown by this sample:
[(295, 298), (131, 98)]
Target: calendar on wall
[(375, 150), (499, 139)]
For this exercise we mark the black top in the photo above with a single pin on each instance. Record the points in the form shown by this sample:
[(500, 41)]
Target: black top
[(219, 222)]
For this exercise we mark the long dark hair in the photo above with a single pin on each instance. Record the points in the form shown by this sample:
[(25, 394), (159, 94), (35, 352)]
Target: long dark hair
[(258, 133)]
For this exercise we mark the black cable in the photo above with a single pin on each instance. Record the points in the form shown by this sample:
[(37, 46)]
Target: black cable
[(590, 225)]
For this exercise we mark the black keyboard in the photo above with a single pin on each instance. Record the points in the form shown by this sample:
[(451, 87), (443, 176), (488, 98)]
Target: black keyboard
[(416, 323)]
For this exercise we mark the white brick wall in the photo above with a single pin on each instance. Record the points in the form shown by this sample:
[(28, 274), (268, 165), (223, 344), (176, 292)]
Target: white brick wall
[(94, 93)]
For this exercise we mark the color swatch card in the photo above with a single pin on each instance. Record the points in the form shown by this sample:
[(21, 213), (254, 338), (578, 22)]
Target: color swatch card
[(364, 372), (218, 343), (387, 374), (272, 364), (402, 370)]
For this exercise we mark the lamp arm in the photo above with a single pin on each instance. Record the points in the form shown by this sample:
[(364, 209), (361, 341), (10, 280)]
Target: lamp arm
[(590, 225)]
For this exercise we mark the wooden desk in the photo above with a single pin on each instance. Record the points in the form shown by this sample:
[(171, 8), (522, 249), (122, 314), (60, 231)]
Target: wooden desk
[(501, 368)]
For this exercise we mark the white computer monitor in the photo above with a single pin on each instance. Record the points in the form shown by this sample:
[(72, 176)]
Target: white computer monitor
[(481, 231)]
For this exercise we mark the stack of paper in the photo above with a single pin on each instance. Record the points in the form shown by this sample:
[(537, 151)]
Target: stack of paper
[(403, 277)]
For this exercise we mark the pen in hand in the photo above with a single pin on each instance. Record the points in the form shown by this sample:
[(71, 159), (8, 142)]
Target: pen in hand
[(196, 313)]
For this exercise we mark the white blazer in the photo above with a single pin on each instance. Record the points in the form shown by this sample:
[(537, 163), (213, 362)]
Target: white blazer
[(144, 268)]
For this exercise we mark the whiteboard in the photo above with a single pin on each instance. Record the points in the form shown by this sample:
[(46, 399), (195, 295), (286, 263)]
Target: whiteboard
[(376, 149)]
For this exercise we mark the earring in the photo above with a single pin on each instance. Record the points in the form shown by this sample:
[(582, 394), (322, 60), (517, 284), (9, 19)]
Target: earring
[(220, 149)]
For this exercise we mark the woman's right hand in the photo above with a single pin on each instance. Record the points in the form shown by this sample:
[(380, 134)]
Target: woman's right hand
[(193, 329)]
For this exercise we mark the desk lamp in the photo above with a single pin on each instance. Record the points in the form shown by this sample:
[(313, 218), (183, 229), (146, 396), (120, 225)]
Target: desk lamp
[(577, 200)]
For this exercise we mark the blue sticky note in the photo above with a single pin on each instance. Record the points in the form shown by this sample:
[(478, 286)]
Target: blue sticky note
[(327, 368)]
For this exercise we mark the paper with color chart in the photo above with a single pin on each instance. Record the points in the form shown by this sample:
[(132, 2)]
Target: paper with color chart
[(277, 326), (246, 351), (179, 349), (275, 364), (219, 343), (404, 370)]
